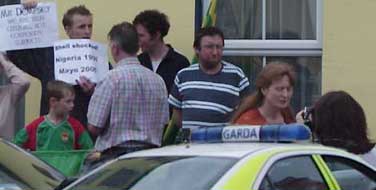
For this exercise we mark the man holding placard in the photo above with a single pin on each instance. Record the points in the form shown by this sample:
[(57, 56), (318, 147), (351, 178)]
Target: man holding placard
[(78, 24), (16, 87), (39, 62)]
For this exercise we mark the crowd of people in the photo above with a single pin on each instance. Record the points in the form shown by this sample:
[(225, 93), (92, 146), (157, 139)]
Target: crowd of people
[(147, 97)]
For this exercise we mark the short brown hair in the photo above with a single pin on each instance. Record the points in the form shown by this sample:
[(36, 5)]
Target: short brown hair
[(76, 10), (207, 31), (57, 89)]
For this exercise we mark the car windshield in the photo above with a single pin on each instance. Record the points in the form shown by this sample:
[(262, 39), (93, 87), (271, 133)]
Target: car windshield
[(183, 173), (21, 170), (8, 178)]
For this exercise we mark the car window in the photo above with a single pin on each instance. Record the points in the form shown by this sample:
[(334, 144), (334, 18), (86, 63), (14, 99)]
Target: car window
[(167, 173), (25, 168), (9, 180), (351, 174), (294, 173)]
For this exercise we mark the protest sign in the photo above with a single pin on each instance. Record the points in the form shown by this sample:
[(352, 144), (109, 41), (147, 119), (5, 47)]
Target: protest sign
[(75, 58), (28, 28)]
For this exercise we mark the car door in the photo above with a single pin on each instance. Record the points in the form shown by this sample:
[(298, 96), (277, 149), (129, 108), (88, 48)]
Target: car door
[(350, 174), (293, 173)]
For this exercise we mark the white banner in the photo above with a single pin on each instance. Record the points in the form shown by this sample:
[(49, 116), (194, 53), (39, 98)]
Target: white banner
[(75, 58), (28, 28)]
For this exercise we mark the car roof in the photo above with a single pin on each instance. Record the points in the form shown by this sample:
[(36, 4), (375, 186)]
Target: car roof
[(235, 150)]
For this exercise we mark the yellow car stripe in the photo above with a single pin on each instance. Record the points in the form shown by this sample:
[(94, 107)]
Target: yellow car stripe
[(325, 171), (248, 172), (244, 178)]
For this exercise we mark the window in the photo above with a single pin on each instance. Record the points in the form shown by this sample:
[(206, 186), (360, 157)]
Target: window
[(159, 173), (9, 180), (295, 173), (260, 31), (350, 174)]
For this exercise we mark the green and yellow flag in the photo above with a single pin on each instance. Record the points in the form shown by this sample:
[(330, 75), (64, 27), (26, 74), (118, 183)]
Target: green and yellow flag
[(209, 20), (210, 16)]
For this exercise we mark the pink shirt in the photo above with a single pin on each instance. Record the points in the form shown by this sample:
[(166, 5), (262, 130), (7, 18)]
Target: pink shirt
[(133, 100), (10, 94)]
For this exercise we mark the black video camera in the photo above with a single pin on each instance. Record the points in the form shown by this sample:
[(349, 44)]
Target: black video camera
[(307, 117)]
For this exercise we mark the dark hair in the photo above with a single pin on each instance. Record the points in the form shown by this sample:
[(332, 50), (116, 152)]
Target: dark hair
[(272, 71), (77, 10), (207, 31), (154, 21), (339, 121), (57, 89), (125, 35)]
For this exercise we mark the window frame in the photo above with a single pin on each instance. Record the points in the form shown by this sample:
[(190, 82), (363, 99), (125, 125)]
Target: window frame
[(269, 48), (249, 47)]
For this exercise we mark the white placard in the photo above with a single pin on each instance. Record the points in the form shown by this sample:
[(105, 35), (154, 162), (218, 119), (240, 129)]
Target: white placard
[(75, 58), (28, 28)]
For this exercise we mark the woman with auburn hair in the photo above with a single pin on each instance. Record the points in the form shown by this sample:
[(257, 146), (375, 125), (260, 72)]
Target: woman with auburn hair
[(270, 104), (338, 120)]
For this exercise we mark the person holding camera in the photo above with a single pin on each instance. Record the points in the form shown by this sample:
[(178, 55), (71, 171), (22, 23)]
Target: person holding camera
[(338, 120), (270, 104)]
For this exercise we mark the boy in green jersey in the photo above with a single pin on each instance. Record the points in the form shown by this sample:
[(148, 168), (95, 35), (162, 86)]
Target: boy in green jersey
[(57, 130)]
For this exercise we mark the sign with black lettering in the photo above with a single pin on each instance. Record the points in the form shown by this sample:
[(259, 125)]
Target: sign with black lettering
[(241, 133), (28, 28), (75, 58)]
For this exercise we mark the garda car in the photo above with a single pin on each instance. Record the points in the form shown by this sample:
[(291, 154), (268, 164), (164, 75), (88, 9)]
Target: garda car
[(228, 158), (21, 170)]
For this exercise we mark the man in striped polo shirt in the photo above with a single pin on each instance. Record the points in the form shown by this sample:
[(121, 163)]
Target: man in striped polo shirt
[(206, 94)]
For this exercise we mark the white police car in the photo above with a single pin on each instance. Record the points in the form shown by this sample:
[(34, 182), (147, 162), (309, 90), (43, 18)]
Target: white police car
[(237, 165)]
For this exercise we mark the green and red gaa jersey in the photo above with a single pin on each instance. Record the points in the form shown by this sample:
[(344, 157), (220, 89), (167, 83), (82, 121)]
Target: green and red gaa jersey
[(42, 135)]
